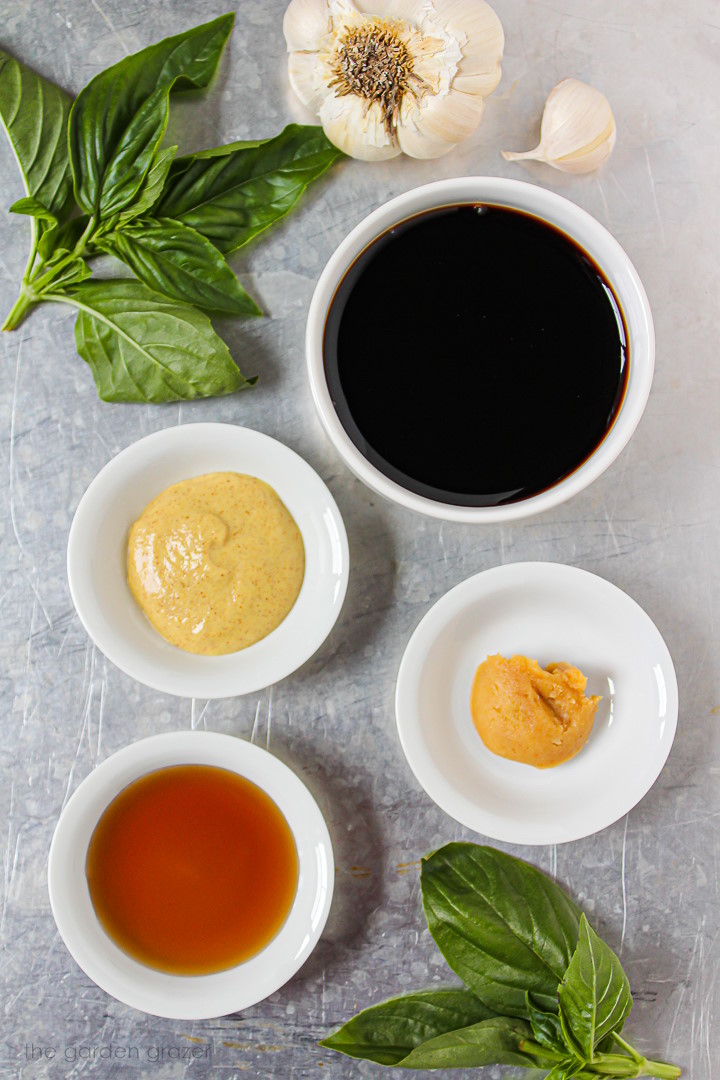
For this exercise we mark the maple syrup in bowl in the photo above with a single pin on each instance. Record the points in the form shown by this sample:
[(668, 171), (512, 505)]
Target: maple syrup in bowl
[(191, 875), (192, 869)]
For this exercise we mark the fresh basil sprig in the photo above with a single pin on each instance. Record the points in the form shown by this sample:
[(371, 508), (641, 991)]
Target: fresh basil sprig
[(543, 990), (99, 181)]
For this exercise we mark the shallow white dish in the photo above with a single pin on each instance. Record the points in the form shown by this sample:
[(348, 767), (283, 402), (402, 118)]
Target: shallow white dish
[(549, 612), (195, 997), (570, 219), (97, 559)]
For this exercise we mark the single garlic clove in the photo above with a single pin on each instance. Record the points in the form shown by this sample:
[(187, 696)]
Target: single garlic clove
[(483, 41), (357, 130), (302, 75), (577, 133), (306, 24), (439, 123)]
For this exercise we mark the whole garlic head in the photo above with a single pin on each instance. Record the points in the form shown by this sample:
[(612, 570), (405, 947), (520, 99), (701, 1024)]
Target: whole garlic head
[(577, 133), (387, 77)]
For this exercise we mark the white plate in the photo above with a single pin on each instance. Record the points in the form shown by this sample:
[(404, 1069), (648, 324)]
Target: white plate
[(97, 559), (196, 997), (549, 612)]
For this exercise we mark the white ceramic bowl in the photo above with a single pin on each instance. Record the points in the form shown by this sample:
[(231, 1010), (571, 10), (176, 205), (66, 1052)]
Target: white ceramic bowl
[(549, 612), (590, 235), (97, 559), (185, 997)]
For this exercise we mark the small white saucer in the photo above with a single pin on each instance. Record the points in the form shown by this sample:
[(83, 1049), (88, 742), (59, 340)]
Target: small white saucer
[(549, 612), (97, 559), (194, 997)]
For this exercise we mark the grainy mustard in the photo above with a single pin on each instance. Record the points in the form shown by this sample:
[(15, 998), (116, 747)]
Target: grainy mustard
[(216, 562)]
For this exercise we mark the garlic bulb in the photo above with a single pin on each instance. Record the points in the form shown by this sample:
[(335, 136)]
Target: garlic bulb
[(387, 77), (577, 132)]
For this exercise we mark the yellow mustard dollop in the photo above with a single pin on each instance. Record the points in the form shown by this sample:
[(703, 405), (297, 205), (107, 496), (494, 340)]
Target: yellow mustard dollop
[(216, 562)]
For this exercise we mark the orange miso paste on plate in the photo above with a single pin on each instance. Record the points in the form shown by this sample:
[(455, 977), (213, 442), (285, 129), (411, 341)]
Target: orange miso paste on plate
[(539, 716), (216, 562), (192, 869)]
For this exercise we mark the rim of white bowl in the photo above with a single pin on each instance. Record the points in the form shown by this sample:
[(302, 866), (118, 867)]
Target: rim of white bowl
[(190, 997), (141, 652), (569, 218), (488, 583)]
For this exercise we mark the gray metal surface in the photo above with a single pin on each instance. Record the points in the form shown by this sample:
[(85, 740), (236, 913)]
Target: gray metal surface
[(650, 525)]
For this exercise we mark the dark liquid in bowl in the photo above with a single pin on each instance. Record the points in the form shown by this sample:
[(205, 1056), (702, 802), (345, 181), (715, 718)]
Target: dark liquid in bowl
[(475, 354)]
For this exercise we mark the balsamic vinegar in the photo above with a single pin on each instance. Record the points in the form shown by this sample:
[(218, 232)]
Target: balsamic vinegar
[(475, 354)]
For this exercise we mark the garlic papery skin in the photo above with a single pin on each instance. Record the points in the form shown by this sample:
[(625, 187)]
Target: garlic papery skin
[(387, 77), (577, 133)]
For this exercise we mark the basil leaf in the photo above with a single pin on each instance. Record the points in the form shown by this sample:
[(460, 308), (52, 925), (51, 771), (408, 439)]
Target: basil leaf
[(142, 347), (117, 121), (594, 995), (567, 1071), (180, 263), (232, 193), (504, 927), (387, 1033), (504, 1040), (34, 114), (125, 168), (33, 208), (62, 237), (151, 188), (546, 1027), (71, 274)]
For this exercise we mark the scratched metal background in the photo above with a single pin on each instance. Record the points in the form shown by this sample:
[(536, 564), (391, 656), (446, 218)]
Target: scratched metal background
[(650, 525)]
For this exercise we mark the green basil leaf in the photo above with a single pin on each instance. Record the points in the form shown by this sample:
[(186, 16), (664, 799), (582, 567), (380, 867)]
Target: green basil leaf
[(594, 995), (232, 193), (546, 1027), (387, 1033), (180, 263), (151, 188), (142, 347), (62, 237), (34, 114), (126, 167), (503, 926), (33, 208), (504, 1040), (117, 121), (71, 274), (567, 1071)]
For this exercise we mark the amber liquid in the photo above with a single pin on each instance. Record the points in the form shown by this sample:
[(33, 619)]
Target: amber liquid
[(192, 869), (475, 355)]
